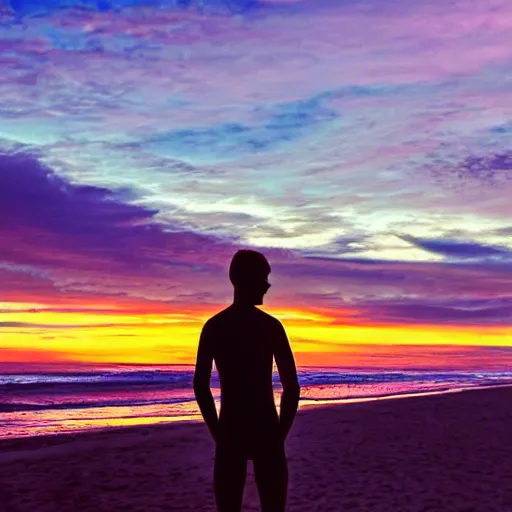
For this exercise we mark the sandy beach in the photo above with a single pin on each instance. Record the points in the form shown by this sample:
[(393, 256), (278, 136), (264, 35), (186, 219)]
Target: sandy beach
[(441, 453)]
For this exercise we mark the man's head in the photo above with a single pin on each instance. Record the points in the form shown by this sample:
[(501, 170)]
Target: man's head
[(248, 272)]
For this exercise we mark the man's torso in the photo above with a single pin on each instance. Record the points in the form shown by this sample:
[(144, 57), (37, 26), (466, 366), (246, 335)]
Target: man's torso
[(243, 356)]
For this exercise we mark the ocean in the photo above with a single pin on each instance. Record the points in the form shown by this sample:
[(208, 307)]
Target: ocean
[(43, 403)]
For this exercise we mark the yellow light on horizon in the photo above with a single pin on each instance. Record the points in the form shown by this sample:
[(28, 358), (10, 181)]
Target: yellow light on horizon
[(173, 336)]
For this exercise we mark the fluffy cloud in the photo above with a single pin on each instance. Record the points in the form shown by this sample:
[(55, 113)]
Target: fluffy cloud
[(167, 138)]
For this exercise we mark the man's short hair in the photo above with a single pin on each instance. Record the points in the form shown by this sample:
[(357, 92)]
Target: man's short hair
[(248, 265)]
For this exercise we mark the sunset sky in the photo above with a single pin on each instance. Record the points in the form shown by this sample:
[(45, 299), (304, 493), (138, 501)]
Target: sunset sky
[(365, 147)]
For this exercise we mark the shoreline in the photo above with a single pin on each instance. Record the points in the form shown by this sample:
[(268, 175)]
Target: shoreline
[(187, 421), (438, 453), (361, 399)]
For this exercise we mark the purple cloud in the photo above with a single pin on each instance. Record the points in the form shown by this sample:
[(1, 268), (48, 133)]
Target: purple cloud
[(79, 239), (497, 312), (401, 292), (62, 240), (50, 222), (490, 165), (459, 249)]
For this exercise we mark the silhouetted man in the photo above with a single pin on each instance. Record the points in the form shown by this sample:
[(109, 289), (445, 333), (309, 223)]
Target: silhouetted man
[(243, 340)]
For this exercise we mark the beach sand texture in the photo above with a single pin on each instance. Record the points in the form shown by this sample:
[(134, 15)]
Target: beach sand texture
[(439, 453)]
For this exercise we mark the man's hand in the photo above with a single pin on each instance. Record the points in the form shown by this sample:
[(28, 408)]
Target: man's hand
[(202, 376), (288, 375)]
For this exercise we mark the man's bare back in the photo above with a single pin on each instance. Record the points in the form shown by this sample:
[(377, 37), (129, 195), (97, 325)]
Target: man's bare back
[(243, 341)]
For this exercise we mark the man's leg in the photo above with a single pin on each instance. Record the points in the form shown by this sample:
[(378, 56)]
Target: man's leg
[(229, 475), (271, 474)]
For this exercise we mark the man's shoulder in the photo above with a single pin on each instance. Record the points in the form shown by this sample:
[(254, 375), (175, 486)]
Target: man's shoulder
[(267, 317), (217, 318), (213, 320), (225, 316)]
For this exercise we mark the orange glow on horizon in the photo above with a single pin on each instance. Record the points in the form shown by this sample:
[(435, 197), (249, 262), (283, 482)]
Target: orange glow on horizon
[(141, 333)]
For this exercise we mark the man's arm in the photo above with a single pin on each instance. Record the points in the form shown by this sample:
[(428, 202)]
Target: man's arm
[(288, 375), (202, 376)]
